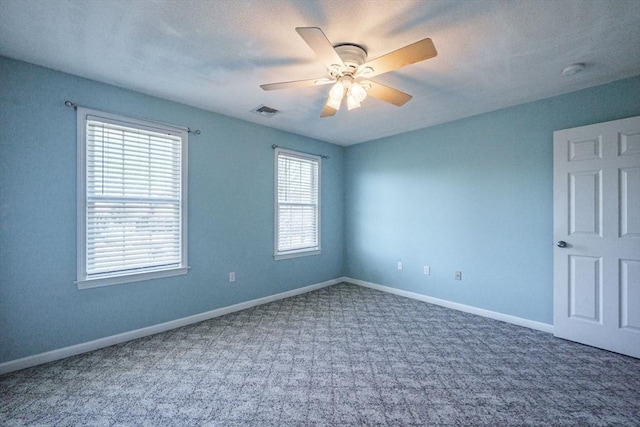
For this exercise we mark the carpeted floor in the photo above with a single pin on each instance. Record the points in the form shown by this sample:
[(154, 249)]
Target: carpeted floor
[(343, 355)]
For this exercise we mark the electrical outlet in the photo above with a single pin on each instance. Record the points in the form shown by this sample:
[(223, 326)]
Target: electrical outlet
[(458, 275), (399, 265), (427, 270), (232, 277)]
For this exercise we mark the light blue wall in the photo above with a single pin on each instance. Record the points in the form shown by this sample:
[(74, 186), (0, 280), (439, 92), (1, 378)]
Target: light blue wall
[(230, 216), (473, 195)]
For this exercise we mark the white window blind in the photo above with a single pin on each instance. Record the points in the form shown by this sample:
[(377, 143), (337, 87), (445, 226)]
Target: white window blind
[(297, 204), (134, 199)]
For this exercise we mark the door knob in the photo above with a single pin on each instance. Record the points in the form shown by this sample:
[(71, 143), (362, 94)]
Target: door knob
[(561, 244)]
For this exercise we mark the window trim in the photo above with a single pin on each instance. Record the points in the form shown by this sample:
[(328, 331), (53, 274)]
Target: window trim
[(296, 252), (85, 282)]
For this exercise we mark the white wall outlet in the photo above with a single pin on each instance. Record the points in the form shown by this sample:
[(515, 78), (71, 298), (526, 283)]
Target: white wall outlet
[(232, 277), (399, 265), (427, 270), (458, 275)]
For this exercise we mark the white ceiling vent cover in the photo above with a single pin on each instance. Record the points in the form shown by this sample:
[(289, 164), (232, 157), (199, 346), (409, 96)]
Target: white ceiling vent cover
[(265, 111)]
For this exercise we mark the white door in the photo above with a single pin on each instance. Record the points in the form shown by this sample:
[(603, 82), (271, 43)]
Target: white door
[(596, 225)]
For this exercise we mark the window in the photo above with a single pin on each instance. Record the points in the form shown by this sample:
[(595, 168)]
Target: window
[(132, 199), (297, 198)]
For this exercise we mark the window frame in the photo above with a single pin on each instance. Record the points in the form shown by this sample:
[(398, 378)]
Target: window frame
[(84, 281), (315, 250)]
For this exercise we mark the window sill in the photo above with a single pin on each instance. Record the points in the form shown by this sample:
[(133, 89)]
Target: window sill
[(128, 278), (296, 254)]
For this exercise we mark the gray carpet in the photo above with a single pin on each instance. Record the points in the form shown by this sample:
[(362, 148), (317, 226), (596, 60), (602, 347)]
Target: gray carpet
[(343, 355)]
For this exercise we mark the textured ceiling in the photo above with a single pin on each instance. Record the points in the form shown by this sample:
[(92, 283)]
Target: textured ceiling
[(215, 54)]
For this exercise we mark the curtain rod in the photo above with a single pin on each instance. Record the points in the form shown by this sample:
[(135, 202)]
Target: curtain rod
[(274, 146), (194, 131)]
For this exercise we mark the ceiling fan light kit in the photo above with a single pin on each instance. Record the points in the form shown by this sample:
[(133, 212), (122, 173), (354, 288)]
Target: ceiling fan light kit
[(349, 71), (337, 91), (334, 103)]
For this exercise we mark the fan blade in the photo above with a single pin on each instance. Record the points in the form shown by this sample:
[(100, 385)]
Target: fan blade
[(388, 94), (328, 111), (416, 52), (297, 83), (319, 43)]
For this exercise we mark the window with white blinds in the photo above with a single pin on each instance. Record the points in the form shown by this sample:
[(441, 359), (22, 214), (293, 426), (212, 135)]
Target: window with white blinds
[(297, 228), (132, 200)]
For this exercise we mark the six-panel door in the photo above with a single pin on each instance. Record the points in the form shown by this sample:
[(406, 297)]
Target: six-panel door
[(597, 219)]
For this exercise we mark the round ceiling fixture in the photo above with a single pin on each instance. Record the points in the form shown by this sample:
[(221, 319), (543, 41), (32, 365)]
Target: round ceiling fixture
[(573, 69)]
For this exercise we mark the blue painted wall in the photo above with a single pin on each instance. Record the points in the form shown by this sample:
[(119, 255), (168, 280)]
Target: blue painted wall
[(230, 216), (473, 195)]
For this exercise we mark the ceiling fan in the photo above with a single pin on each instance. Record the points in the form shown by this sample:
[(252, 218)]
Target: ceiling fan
[(350, 73)]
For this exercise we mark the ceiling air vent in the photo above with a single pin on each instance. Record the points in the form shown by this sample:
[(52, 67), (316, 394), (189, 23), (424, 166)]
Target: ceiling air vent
[(265, 111)]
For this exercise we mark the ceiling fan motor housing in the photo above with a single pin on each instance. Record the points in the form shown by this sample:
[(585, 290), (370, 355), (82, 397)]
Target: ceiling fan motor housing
[(352, 55)]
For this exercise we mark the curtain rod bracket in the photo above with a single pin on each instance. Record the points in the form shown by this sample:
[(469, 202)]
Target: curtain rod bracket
[(71, 104)]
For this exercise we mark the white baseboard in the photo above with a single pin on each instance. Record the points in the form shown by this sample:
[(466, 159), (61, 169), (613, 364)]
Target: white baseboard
[(532, 324), (53, 355)]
